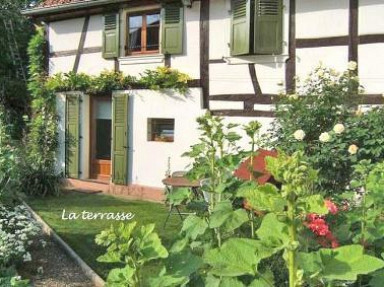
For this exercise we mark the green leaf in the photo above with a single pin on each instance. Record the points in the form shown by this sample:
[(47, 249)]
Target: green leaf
[(121, 277), (194, 226), (226, 218), (149, 244), (265, 197), (344, 263), (168, 281), (213, 281), (236, 257), (313, 204), (273, 232), (377, 279), (183, 264), (110, 257), (179, 195)]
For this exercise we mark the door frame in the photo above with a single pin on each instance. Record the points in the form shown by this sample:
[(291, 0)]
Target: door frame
[(92, 137)]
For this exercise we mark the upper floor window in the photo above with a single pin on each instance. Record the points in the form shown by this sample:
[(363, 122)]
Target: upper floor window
[(257, 27), (143, 33)]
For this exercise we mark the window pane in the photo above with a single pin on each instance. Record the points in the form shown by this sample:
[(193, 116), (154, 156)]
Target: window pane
[(153, 26), (103, 139), (135, 27)]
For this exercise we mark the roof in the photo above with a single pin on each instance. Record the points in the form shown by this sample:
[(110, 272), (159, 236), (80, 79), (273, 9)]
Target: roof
[(49, 3)]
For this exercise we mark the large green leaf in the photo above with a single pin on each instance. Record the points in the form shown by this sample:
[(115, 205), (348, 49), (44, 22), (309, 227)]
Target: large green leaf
[(183, 264), (194, 226), (265, 197), (149, 244), (179, 195), (313, 204), (264, 280), (168, 281), (236, 257), (344, 263), (273, 232), (121, 277), (226, 218)]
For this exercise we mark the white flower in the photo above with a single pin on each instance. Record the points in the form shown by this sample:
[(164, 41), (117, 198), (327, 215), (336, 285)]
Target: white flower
[(352, 149), (299, 135), (27, 257), (320, 73), (293, 97), (324, 137), (352, 66), (339, 128)]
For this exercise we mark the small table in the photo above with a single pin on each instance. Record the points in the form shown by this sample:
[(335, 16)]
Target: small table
[(175, 182)]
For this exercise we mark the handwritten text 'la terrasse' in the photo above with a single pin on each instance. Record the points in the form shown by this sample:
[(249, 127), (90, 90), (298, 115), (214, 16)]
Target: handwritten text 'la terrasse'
[(86, 215)]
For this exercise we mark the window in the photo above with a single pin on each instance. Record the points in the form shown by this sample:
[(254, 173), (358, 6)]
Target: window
[(256, 27), (161, 130), (143, 33)]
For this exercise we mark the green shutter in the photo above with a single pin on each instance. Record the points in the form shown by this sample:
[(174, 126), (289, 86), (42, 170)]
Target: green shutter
[(172, 28), (72, 135), (111, 36), (120, 138), (240, 27), (268, 27)]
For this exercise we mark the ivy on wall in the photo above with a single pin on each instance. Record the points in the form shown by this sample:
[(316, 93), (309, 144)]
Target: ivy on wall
[(159, 79)]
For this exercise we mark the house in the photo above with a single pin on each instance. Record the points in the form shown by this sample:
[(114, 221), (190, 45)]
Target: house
[(237, 51)]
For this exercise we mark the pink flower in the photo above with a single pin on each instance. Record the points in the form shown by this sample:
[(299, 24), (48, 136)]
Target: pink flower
[(332, 208)]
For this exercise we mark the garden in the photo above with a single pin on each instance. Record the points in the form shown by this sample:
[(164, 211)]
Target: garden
[(318, 221)]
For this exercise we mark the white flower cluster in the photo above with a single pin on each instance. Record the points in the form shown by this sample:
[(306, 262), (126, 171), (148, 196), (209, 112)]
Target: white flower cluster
[(16, 231), (325, 137)]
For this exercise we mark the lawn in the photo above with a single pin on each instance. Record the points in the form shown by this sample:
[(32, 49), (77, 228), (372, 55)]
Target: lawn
[(80, 234)]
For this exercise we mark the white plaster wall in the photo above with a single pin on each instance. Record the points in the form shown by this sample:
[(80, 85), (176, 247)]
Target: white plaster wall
[(60, 157), (65, 35), (371, 17), (94, 64), (189, 61), (371, 68), (333, 57), (323, 18), (94, 36), (61, 64), (148, 161)]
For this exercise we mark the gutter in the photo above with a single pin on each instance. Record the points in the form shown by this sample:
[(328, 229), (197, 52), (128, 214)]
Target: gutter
[(38, 11)]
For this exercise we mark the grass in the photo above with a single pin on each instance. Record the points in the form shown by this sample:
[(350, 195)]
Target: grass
[(80, 234)]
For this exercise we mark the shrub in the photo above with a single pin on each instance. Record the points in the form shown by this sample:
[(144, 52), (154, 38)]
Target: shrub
[(323, 120), (17, 228)]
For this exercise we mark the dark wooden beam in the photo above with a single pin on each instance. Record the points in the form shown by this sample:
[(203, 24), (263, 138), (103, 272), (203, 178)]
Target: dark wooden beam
[(322, 42), (90, 50), (204, 51), (372, 99), (255, 82), (371, 39), (242, 113), (81, 44), (265, 99), (290, 67), (353, 41), (195, 83)]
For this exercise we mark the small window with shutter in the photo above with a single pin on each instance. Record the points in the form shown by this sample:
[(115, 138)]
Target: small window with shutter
[(256, 27)]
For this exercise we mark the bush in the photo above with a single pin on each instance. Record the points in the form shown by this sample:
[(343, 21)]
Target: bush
[(323, 120), (17, 228)]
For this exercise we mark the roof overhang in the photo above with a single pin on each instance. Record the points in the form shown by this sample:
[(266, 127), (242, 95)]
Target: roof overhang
[(43, 11)]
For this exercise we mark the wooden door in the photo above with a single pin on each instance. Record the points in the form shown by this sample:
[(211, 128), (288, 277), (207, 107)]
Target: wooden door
[(101, 133)]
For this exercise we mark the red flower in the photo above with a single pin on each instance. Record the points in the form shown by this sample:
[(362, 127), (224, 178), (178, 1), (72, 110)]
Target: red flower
[(332, 208), (317, 224)]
